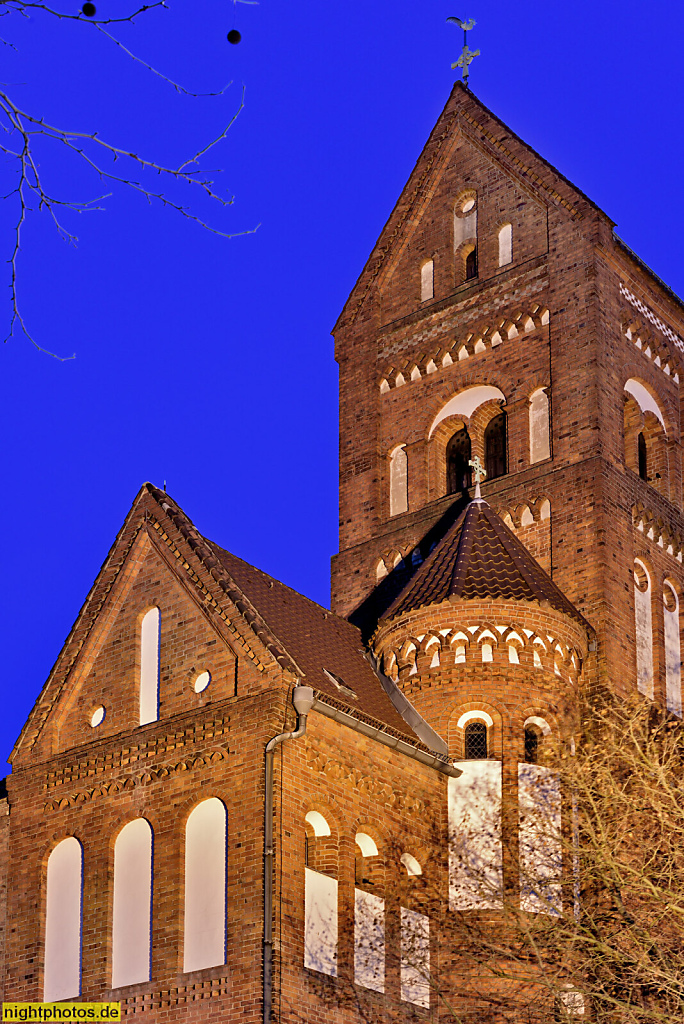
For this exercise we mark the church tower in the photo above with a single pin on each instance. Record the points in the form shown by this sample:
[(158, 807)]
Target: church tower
[(500, 318)]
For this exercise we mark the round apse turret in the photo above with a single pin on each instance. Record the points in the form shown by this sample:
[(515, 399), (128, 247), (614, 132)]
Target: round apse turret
[(481, 627)]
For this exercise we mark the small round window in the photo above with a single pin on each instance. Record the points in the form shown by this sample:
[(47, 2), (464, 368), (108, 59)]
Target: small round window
[(97, 717), (202, 681)]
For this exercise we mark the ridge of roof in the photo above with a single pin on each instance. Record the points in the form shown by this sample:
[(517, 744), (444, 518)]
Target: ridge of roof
[(303, 637), (670, 292), (203, 548), (535, 153), (325, 645), (295, 629), (479, 557)]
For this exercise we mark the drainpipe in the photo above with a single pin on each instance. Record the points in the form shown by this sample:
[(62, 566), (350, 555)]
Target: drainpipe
[(303, 699)]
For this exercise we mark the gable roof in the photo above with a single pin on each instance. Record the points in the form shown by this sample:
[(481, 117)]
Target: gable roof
[(329, 649), (480, 558), (464, 111), (305, 639)]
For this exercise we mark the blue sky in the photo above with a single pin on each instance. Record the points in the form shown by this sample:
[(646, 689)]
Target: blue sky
[(208, 362)]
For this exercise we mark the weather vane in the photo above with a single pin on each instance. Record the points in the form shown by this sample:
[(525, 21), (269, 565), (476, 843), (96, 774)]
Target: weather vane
[(467, 56)]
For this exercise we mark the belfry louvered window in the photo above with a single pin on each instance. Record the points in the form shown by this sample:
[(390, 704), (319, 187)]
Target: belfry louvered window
[(495, 447), (458, 455), (475, 741)]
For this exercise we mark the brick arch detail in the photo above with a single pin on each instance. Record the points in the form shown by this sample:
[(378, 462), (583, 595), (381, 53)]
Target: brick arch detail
[(495, 733)]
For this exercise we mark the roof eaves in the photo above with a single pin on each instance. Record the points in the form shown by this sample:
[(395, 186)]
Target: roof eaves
[(651, 273), (382, 733), (538, 156), (203, 549)]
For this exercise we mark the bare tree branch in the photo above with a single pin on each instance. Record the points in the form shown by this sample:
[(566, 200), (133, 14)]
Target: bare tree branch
[(30, 191)]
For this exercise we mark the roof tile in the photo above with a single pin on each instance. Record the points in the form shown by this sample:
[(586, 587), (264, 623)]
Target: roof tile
[(479, 557)]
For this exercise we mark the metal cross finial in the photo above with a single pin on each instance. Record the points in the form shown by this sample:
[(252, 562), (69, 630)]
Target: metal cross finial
[(467, 56), (480, 471), (480, 474)]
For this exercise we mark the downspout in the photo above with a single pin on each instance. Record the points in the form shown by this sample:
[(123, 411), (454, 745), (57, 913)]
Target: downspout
[(303, 699)]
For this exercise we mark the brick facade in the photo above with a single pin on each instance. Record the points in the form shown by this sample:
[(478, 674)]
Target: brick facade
[(574, 313)]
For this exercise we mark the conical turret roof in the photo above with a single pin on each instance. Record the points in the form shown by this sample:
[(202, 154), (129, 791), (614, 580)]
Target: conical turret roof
[(480, 558)]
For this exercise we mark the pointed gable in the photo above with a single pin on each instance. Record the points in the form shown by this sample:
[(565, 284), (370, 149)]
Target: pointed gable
[(465, 125), (479, 558), (214, 607)]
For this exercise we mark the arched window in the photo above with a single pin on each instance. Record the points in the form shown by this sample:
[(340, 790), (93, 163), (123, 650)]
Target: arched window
[(531, 745), (132, 917), (369, 915), (505, 245), (63, 913), (539, 426), (427, 281), (641, 456), (495, 447), (320, 896), (645, 436), (475, 736), (205, 886), (465, 233), (149, 666), (398, 481), (643, 628), (458, 455), (673, 655)]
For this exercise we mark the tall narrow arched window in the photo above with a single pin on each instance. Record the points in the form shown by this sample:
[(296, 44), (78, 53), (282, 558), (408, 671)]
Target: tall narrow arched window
[(369, 915), (204, 942), (132, 912), (465, 234), (398, 481), (458, 455), (63, 914), (539, 426), (642, 456), (320, 896), (505, 245), (495, 447), (673, 654), (643, 628), (475, 736), (427, 281), (149, 666)]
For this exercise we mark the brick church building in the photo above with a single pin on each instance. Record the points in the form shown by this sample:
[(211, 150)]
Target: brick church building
[(228, 802)]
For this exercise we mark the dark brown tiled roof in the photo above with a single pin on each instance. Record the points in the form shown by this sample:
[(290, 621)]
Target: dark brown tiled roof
[(479, 558), (301, 636), (317, 640)]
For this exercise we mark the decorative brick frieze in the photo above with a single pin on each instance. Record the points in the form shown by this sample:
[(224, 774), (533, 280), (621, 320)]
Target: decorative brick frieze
[(127, 782), (652, 318), (464, 346), (368, 785)]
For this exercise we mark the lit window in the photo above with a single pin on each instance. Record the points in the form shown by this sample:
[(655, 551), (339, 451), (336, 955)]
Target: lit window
[(149, 666), (202, 681), (132, 908), (97, 717), (62, 974), (505, 245), (205, 886), (427, 281), (398, 481)]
